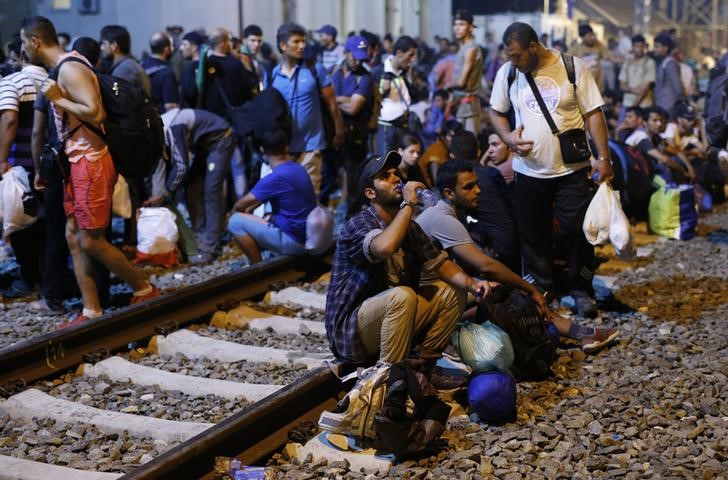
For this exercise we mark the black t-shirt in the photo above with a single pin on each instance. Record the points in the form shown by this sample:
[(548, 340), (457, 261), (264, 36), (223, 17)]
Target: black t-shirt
[(164, 84)]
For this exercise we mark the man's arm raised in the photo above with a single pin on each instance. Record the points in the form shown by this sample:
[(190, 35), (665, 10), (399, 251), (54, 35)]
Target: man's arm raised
[(76, 93)]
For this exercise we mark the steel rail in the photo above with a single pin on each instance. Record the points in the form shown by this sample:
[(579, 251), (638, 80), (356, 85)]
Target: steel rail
[(39, 357)]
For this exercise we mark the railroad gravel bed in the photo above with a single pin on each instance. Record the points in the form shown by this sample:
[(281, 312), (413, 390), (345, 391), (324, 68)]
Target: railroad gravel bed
[(244, 372), (151, 401), (304, 341), (655, 405), (78, 446), (18, 322)]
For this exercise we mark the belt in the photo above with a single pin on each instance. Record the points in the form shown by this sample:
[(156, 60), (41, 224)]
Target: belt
[(468, 99)]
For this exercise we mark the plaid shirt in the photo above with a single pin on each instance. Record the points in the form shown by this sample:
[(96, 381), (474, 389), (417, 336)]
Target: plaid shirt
[(357, 275)]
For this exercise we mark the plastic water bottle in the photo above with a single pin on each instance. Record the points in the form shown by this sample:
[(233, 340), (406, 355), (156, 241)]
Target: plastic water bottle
[(426, 197)]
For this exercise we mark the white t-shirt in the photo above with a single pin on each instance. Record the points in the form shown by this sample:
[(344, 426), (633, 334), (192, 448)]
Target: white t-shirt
[(544, 160)]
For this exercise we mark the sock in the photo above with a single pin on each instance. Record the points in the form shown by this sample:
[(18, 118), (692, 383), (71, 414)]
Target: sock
[(87, 312), (579, 331), (144, 291)]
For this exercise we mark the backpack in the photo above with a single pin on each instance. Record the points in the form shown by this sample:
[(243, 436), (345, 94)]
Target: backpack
[(716, 107), (354, 414), (132, 130), (512, 72), (516, 314), (632, 178), (412, 417)]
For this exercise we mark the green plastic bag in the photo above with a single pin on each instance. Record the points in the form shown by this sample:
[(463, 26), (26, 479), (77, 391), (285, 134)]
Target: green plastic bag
[(187, 241)]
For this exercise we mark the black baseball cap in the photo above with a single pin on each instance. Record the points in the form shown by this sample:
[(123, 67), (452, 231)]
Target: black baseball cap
[(374, 165), (463, 15)]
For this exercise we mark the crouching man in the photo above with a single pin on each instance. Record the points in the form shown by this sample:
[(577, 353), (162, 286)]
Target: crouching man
[(376, 305)]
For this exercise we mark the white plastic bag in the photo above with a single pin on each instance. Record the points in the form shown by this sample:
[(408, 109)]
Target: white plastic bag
[(319, 230), (18, 205), (619, 228), (598, 216), (120, 200), (157, 232)]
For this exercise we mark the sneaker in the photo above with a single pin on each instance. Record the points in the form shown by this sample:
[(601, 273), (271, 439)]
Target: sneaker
[(79, 319), (135, 299), (201, 258), (41, 306), (18, 289), (584, 305), (601, 339), (442, 380)]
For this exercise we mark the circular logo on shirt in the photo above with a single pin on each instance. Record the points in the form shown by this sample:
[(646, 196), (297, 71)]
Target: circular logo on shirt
[(550, 91)]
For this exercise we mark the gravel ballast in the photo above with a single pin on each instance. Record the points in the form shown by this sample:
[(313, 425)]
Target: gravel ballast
[(655, 405)]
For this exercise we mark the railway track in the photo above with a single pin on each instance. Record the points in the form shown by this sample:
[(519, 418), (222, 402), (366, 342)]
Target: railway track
[(100, 349)]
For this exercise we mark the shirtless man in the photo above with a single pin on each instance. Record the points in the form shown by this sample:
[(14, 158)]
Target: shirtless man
[(87, 203)]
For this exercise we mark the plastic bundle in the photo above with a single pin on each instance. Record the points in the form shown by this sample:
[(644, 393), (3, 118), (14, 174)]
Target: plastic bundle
[(483, 347)]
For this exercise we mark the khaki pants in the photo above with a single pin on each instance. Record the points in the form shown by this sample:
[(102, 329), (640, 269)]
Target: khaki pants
[(389, 321), (311, 161)]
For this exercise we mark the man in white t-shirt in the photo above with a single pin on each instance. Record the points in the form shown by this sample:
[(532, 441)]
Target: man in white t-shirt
[(546, 187)]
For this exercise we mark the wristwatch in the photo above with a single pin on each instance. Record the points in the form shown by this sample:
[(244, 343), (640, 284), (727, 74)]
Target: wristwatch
[(407, 203)]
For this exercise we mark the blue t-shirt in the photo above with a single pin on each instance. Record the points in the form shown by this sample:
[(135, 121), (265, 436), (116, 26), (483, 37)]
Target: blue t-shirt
[(354, 84), (301, 92), (290, 193), (165, 88)]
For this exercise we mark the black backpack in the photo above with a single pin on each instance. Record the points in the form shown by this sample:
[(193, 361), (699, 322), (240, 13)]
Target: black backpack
[(411, 417), (516, 314), (133, 129), (632, 178)]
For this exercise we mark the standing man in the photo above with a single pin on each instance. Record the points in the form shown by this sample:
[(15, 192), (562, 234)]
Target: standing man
[(190, 46), (376, 305), (223, 76), (165, 90), (668, 86), (546, 186), (76, 96), (331, 51), (252, 41), (116, 53), (637, 77), (592, 52), (17, 94), (354, 90), (468, 72), (304, 87), (396, 97)]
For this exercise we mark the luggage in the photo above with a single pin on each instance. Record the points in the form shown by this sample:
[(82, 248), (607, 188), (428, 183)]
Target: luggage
[(672, 211)]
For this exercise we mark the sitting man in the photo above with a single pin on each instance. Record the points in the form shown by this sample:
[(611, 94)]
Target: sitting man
[(495, 225), (650, 143), (500, 156), (443, 223), (376, 305), (289, 191)]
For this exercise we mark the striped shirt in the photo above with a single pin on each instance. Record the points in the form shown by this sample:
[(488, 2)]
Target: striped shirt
[(17, 93)]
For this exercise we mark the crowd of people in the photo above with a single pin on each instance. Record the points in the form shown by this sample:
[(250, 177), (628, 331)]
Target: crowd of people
[(510, 139)]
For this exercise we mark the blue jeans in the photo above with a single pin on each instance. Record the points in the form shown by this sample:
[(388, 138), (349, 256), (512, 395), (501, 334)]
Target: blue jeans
[(266, 235)]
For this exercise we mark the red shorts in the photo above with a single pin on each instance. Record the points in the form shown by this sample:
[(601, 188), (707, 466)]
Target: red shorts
[(88, 194)]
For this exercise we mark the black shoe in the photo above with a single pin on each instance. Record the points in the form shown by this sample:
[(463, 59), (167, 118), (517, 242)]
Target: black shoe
[(584, 305), (442, 380), (18, 289)]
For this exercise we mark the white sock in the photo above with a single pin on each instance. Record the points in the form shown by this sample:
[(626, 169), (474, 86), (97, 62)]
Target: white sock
[(87, 312), (144, 291)]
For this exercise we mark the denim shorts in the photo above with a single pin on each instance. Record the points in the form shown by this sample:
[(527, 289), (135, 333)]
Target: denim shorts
[(266, 235)]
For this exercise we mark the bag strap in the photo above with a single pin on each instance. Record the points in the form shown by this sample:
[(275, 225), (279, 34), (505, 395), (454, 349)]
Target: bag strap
[(53, 75), (541, 103)]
